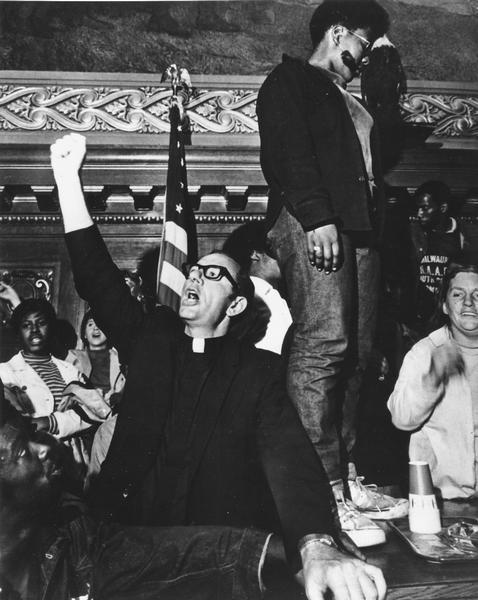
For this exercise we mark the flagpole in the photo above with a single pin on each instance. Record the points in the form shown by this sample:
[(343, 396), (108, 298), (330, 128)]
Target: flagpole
[(178, 243)]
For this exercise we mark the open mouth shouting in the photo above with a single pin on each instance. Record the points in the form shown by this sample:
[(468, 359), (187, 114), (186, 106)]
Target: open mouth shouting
[(190, 296)]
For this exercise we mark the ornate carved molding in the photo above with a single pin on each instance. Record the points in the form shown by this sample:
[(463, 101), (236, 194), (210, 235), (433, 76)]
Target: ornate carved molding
[(36, 282), (141, 205), (141, 110), (128, 219), (217, 105), (451, 115)]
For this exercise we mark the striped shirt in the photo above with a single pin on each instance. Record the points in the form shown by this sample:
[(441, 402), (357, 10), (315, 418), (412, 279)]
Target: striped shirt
[(50, 375)]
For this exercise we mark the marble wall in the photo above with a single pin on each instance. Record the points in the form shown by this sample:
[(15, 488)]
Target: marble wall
[(437, 38)]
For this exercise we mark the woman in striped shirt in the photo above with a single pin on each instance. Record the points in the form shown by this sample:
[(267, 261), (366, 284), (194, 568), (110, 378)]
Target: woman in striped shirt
[(34, 380)]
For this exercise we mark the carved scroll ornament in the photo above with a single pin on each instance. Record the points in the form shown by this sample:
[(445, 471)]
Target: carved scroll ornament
[(28, 283), (451, 115), (142, 110)]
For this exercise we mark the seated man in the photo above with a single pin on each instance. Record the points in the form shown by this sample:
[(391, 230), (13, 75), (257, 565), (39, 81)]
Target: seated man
[(205, 431), (435, 396), (249, 247), (46, 556)]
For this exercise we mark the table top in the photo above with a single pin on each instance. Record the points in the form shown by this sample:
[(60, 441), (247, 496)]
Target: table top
[(409, 576)]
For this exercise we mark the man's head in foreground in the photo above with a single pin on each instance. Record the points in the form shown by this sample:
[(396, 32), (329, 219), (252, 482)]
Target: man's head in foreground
[(31, 468), (216, 290)]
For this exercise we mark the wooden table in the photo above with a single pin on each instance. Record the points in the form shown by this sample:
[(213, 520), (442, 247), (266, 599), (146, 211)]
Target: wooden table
[(410, 577)]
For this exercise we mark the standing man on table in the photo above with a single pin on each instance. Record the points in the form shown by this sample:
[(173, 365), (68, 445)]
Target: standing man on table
[(205, 432), (318, 155)]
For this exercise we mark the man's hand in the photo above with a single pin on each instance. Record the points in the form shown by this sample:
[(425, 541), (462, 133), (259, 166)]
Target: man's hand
[(324, 248), (326, 568), (8, 294), (67, 155)]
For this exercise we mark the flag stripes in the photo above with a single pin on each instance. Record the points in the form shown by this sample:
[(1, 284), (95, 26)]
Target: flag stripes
[(179, 243)]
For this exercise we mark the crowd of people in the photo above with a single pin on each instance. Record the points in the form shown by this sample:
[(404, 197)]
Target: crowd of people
[(220, 451)]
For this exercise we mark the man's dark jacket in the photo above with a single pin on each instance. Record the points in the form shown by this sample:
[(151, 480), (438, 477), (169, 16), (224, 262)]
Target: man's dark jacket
[(252, 464), (310, 152)]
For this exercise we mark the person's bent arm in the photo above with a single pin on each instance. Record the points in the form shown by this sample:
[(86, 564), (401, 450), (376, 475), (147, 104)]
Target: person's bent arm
[(283, 125), (422, 383), (61, 424), (97, 279), (67, 156), (303, 499), (8, 294)]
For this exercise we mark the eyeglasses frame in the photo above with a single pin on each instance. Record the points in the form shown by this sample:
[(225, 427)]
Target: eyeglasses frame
[(368, 43), (224, 272)]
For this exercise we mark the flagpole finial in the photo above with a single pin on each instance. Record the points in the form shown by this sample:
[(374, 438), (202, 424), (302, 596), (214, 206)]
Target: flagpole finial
[(180, 86)]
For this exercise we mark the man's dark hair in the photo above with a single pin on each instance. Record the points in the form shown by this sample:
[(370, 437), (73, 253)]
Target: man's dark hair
[(29, 306), (244, 240), (245, 287), (438, 190), (353, 14)]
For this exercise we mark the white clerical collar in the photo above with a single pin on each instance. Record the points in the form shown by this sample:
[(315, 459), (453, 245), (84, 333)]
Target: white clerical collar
[(199, 345)]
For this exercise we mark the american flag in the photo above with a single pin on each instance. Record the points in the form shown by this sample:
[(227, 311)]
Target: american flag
[(179, 242)]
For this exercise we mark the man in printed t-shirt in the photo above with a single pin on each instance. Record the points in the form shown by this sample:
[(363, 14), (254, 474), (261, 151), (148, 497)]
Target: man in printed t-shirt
[(436, 241)]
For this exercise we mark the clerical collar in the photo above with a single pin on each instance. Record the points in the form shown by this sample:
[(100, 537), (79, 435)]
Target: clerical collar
[(199, 345)]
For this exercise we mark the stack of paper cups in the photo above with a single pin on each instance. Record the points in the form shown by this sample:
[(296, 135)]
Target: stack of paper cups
[(423, 515)]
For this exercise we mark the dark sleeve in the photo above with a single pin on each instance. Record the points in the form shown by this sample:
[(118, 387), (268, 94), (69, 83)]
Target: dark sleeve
[(99, 281), (288, 154), (295, 474)]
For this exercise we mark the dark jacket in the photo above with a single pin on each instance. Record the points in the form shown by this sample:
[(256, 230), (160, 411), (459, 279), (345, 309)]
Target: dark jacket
[(253, 464), (310, 152), (65, 565)]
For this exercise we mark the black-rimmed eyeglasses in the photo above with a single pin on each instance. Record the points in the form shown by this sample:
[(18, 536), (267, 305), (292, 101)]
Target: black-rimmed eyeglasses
[(212, 272), (366, 43)]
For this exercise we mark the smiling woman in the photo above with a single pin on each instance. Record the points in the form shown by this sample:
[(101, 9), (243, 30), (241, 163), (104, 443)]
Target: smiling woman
[(437, 389)]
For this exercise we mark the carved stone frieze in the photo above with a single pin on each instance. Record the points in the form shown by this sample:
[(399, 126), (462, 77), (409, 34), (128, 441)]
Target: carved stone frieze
[(451, 115), (145, 109), (223, 111), (104, 109), (50, 107)]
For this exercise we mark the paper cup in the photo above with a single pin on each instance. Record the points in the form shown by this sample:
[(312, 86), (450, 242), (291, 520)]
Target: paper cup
[(423, 514), (420, 478)]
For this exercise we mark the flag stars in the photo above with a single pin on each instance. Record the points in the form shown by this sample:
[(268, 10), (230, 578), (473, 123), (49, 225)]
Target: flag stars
[(179, 208)]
